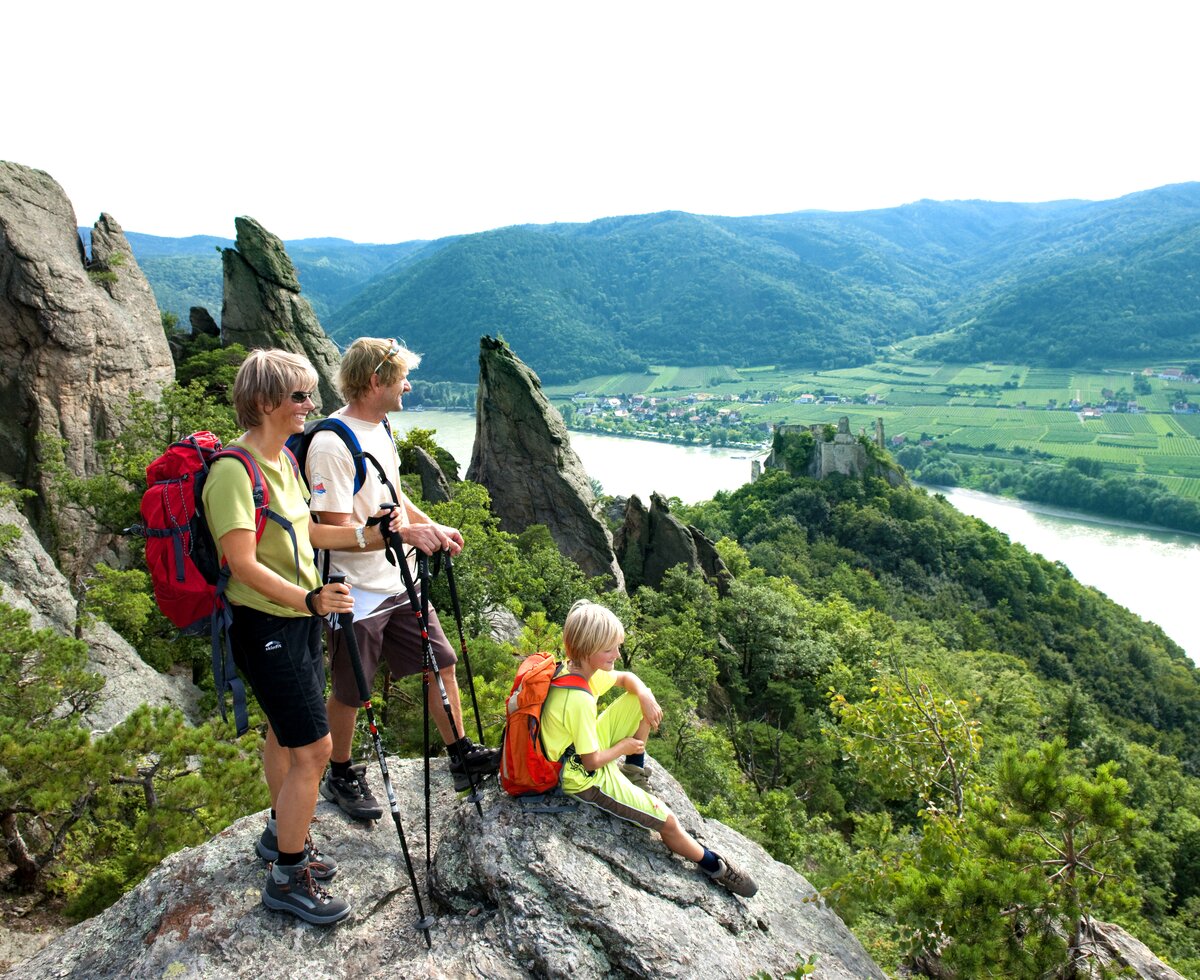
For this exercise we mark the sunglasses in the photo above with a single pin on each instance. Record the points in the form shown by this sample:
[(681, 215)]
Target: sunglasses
[(393, 351), (300, 397)]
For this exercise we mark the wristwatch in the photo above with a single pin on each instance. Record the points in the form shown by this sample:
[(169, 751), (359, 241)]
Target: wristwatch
[(360, 537)]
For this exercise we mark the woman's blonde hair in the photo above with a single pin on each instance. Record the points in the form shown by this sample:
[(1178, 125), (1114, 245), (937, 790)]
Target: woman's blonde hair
[(389, 359), (265, 379), (590, 628)]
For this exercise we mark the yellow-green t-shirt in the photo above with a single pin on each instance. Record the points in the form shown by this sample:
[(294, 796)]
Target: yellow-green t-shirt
[(569, 718), (229, 506)]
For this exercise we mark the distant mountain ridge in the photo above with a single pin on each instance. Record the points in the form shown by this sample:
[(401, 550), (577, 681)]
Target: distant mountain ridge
[(1065, 282)]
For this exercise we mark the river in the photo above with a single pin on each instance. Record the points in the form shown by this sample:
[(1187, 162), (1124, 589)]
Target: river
[(624, 467), (1146, 570)]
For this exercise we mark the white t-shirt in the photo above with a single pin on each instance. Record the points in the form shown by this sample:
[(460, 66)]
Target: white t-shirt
[(331, 477)]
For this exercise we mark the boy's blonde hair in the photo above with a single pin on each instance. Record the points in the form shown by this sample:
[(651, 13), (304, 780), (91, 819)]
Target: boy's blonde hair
[(590, 628), (265, 379), (367, 356)]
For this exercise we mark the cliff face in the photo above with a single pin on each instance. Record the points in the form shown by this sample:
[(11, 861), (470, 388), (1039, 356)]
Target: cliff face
[(263, 306), (523, 456), (76, 338), (515, 895), (32, 583)]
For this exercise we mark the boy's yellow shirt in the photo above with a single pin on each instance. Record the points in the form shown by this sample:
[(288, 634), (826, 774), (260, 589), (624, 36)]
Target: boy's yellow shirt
[(569, 718)]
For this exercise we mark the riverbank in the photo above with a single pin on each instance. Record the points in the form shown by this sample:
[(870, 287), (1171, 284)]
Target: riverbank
[(1148, 570)]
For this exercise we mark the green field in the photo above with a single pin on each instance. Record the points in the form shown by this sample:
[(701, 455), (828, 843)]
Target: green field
[(987, 409)]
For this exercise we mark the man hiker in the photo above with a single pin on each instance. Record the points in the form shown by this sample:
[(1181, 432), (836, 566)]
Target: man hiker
[(373, 379)]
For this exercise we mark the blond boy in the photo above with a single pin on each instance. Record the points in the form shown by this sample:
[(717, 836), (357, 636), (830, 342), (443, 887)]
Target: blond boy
[(592, 636)]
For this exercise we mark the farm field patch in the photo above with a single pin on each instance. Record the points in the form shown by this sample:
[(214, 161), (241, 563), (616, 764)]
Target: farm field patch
[(976, 408)]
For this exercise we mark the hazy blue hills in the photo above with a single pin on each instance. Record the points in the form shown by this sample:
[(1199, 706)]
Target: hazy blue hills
[(1065, 282)]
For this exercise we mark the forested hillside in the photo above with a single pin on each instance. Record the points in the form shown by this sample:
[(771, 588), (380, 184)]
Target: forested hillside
[(1068, 282), (623, 293)]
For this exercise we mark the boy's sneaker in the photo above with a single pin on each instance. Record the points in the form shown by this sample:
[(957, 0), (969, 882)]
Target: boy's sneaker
[(476, 760), (638, 775), (353, 796), (293, 888), (730, 876), (322, 866)]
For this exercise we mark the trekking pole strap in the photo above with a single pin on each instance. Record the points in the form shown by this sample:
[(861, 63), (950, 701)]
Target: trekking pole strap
[(456, 607)]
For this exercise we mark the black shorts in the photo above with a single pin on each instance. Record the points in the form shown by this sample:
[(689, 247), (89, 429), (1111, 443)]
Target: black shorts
[(280, 657)]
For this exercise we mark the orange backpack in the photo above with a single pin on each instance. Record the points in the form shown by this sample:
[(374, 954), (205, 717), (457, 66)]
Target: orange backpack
[(524, 768)]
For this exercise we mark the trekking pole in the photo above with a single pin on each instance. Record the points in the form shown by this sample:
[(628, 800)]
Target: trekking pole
[(429, 657), (346, 622), (462, 639)]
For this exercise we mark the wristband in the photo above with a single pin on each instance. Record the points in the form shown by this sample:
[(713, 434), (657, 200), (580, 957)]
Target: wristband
[(308, 601), (360, 537)]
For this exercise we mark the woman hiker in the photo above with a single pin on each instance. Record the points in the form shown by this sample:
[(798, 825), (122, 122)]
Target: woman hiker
[(277, 602)]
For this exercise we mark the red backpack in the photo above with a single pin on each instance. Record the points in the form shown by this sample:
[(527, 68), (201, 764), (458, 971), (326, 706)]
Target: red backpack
[(189, 581), (524, 767)]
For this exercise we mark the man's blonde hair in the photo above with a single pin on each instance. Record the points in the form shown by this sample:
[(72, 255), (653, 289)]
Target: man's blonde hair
[(367, 354), (590, 628), (265, 379)]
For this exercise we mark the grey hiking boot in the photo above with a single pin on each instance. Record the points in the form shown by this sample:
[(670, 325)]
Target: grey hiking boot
[(322, 866), (293, 888), (353, 796), (730, 876), (638, 775)]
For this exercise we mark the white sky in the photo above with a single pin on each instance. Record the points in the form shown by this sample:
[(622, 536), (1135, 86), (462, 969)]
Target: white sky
[(384, 122)]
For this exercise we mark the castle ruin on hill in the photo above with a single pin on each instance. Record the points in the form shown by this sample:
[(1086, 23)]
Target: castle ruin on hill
[(819, 451)]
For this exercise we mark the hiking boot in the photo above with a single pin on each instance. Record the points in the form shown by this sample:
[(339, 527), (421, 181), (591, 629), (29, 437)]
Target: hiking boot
[(353, 796), (730, 876), (322, 866), (477, 760), (293, 888), (638, 775)]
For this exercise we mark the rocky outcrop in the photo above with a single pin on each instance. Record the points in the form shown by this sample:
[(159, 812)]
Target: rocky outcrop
[(263, 306), (650, 542), (32, 583), (515, 895), (202, 322), (76, 338), (435, 488), (523, 456), (1118, 951)]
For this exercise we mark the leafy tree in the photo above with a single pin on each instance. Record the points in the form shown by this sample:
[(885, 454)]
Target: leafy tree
[(909, 737)]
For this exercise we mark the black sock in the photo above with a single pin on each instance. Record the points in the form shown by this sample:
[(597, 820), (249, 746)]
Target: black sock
[(710, 862), (341, 770), (638, 760), (272, 813), (459, 748), (287, 857)]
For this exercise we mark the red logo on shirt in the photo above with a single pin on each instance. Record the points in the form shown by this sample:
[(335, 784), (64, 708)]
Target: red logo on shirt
[(318, 488)]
